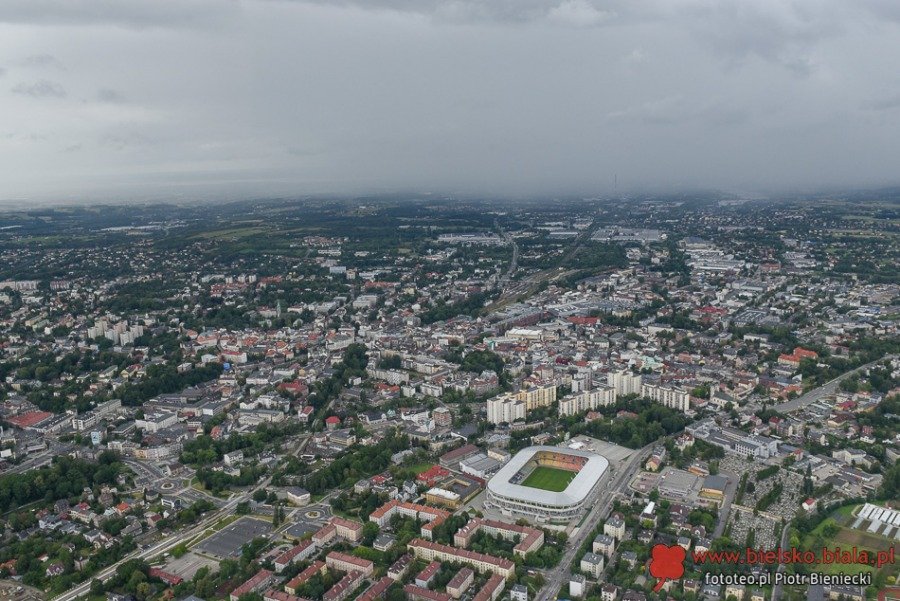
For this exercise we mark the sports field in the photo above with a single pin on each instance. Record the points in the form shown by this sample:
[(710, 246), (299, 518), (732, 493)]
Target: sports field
[(549, 478)]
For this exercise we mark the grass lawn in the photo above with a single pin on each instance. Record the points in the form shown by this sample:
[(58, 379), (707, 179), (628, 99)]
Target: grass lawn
[(549, 478), (418, 468)]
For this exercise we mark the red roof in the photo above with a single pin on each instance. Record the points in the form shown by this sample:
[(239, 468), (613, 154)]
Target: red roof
[(499, 562), (288, 556), (306, 574), (429, 571), (377, 590), (487, 591), (351, 559), (253, 583), (166, 577), (417, 592), (432, 474), (333, 420), (26, 420), (583, 321)]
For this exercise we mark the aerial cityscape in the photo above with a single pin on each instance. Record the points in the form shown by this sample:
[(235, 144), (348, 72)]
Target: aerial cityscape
[(463, 300), (425, 399)]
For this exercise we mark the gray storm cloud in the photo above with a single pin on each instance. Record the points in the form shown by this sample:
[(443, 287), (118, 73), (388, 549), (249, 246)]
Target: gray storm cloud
[(219, 98)]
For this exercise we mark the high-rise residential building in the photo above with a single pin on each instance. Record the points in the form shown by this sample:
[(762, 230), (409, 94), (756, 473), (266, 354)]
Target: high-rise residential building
[(624, 382), (505, 408), (586, 401), (674, 398)]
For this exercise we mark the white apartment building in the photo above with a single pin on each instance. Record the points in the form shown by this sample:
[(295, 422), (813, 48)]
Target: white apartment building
[(574, 404), (624, 382), (505, 408), (674, 398)]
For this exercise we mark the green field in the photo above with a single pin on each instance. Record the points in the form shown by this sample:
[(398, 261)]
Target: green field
[(847, 538), (549, 478)]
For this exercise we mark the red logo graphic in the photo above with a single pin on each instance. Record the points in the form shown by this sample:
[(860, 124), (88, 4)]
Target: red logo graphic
[(666, 563)]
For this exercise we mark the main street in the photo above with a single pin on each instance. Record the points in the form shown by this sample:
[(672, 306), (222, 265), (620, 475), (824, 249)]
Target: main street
[(619, 482), (513, 263), (168, 544), (825, 390), (164, 545)]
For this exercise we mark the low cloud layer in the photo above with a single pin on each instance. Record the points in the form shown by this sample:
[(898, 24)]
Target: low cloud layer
[(128, 99)]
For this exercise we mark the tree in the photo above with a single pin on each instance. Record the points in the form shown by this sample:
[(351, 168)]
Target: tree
[(143, 591), (370, 531), (97, 588), (890, 486)]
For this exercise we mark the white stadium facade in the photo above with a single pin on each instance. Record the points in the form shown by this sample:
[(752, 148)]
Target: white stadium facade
[(504, 493)]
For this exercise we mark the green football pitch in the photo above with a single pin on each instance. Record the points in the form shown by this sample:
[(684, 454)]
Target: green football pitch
[(549, 478)]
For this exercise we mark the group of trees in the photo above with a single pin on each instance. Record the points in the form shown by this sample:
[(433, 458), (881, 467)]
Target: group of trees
[(442, 311), (703, 517), (479, 361), (651, 422), (766, 472), (390, 362), (770, 497), (879, 379), (890, 486), (204, 450), (360, 505), (359, 462), (164, 378), (217, 481), (699, 450), (33, 554), (65, 478)]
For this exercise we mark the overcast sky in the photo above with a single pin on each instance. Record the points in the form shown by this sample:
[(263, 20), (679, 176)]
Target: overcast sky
[(125, 99)]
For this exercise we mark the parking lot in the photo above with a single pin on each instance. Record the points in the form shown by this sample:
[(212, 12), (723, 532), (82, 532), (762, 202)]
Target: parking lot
[(228, 541), (188, 565), (615, 454)]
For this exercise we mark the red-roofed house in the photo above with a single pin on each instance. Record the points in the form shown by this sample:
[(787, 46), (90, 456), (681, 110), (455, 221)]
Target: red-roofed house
[(432, 475), (298, 553), (256, 583), (425, 577), (167, 577), (349, 563), (317, 567)]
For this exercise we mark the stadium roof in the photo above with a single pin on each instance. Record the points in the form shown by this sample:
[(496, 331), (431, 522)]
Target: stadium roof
[(575, 493)]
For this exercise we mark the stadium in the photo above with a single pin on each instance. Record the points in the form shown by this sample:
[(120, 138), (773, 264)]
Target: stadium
[(547, 483)]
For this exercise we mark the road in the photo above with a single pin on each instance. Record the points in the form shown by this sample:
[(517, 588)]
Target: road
[(730, 492), (42, 458), (168, 543), (827, 389), (776, 589), (513, 264), (162, 546), (559, 575)]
